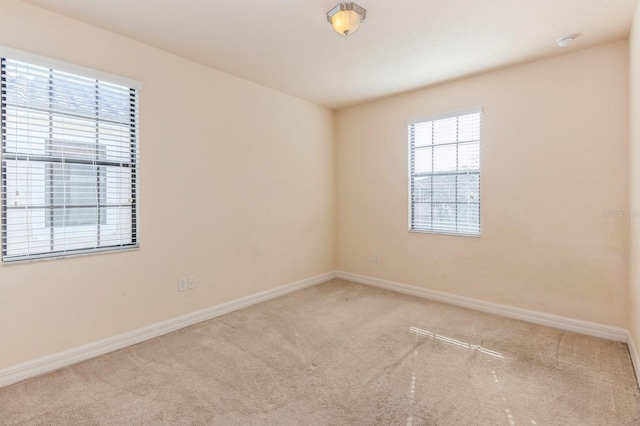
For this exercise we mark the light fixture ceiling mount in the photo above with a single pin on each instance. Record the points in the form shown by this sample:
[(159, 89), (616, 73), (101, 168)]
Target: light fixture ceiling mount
[(345, 18)]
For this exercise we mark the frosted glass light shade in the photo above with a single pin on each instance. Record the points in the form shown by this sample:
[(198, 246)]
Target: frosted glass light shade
[(346, 22), (345, 18)]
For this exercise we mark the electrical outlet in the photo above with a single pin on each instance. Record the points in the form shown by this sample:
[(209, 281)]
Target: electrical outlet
[(376, 258), (192, 283), (182, 284)]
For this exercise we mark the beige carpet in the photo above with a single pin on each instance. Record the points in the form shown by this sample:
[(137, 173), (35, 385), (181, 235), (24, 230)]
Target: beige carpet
[(343, 354)]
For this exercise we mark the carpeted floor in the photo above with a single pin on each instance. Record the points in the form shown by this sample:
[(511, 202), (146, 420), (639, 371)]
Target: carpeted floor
[(343, 354)]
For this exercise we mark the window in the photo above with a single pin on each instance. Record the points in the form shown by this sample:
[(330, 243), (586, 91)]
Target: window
[(444, 168), (69, 162)]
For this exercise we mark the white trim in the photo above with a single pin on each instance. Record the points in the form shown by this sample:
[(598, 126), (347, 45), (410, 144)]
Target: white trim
[(467, 111), (59, 360), (535, 317), (635, 357), (44, 61)]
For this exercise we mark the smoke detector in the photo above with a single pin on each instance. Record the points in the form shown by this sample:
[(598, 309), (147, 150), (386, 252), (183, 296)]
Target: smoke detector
[(566, 41)]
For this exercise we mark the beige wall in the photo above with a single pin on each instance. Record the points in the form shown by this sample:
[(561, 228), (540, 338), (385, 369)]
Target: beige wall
[(554, 156), (238, 186), (634, 52), (237, 189)]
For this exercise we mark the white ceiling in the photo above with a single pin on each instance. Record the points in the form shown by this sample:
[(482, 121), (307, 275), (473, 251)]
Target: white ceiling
[(402, 45)]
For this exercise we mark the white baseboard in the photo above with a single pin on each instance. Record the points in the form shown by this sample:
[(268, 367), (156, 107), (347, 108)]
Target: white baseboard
[(20, 372), (56, 361), (635, 357), (549, 320)]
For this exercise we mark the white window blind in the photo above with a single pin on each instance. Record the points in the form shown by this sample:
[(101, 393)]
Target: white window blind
[(69, 163), (444, 181)]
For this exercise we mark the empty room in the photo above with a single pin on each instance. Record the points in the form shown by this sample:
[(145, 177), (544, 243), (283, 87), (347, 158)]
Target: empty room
[(320, 213)]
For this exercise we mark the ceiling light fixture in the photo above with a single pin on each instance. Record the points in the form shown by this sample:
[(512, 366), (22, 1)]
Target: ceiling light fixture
[(566, 41), (345, 18)]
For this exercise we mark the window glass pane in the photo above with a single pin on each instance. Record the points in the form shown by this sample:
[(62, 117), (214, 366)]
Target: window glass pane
[(27, 232), (118, 184), (445, 130), (423, 160), (118, 228), (469, 127), (24, 184), (76, 217), (26, 85), (444, 188), (422, 215), (422, 189), (444, 217), (468, 187), (114, 104), (445, 185), (469, 156), (73, 132), (116, 140), (26, 131), (73, 94), (469, 218), (74, 237), (444, 158), (423, 133)]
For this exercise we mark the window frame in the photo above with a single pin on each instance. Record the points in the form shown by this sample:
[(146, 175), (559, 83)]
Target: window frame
[(129, 88), (412, 174)]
